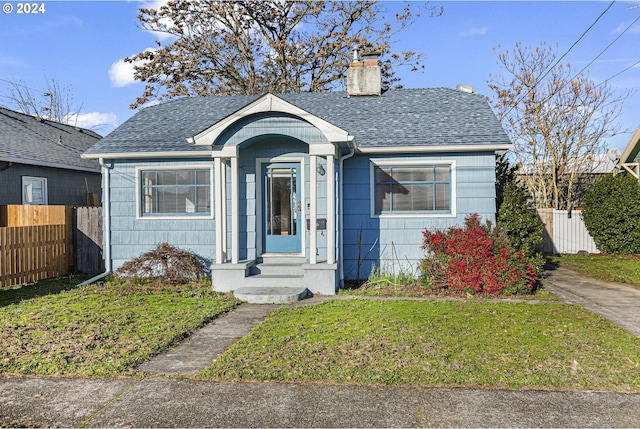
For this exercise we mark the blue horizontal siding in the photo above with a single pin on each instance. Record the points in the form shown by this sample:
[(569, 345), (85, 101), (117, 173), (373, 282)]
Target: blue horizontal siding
[(394, 243), (130, 237)]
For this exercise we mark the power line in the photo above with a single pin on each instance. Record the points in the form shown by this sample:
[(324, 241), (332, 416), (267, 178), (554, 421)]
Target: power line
[(546, 72), (580, 38), (619, 73), (608, 46)]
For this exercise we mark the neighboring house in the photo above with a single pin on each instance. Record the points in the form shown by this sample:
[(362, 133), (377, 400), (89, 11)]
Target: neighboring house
[(589, 169), (299, 189), (41, 162), (629, 160)]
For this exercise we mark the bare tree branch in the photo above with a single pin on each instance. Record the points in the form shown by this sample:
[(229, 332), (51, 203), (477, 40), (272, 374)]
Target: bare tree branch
[(255, 46), (557, 120)]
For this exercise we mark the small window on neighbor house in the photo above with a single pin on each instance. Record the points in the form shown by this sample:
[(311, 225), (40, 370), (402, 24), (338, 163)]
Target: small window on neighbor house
[(176, 192), (34, 190), (412, 189)]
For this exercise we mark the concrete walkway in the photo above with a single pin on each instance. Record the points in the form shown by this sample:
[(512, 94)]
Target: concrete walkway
[(156, 400), (616, 302)]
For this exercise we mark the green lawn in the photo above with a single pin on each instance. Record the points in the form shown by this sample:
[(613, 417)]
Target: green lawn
[(439, 343), (54, 328), (613, 268)]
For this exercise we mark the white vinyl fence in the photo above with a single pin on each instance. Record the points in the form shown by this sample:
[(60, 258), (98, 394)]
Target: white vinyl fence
[(565, 232)]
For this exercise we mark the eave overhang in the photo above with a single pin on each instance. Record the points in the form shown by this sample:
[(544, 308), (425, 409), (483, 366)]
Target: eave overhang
[(40, 163), (148, 155), (434, 148)]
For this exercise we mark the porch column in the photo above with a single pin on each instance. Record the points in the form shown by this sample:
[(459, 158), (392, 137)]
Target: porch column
[(223, 191), (313, 212), (331, 210), (235, 212), (219, 209)]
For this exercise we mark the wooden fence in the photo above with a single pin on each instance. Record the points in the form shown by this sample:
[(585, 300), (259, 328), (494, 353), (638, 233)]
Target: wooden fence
[(32, 253), (87, 240), (565, 232), (40, 242)]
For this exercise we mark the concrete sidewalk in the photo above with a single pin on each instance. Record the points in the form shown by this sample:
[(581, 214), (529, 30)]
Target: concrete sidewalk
[(174, 402), (160, 401)]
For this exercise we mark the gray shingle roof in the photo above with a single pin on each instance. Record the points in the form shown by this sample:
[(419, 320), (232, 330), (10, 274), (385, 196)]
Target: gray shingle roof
[(399, 117), (27, 140)]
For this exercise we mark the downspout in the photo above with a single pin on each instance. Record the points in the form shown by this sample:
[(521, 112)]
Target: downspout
[(352, 151), (107, 225)]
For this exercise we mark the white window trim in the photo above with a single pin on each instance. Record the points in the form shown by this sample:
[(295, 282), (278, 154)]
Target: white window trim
[(139, 170), (417, 162), (45, 190)]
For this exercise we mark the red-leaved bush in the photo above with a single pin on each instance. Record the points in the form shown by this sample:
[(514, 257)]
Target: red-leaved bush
[(477, 259)]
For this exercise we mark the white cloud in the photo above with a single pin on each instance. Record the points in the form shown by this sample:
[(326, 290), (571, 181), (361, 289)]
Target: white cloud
[(93, 120), (157, 4), (121, 74), (476, 31), (625, 27)]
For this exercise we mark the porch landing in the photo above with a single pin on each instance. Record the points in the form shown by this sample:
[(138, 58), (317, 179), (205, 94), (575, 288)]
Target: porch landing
[(271, 295)]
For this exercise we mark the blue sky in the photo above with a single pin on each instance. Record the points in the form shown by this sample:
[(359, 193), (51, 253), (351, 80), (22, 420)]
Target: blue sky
[(81, 45)]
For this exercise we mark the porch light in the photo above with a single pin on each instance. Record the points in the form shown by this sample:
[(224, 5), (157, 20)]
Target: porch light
[(320, 170)]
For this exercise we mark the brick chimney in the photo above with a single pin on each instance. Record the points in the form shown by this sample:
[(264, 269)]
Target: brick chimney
[(363, 75)]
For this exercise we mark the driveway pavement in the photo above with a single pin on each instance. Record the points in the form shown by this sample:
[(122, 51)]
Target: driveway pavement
[(165, 398), (617, 302)]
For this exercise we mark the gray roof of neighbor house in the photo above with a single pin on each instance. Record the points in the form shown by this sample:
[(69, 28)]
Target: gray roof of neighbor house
[(29, 140), (399, 117)]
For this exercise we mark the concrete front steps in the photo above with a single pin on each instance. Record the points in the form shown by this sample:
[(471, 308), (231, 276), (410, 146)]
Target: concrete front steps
[(274, 280)]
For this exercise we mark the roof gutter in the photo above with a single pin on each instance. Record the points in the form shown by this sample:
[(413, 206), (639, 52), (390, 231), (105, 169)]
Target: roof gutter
[(435, 148), (11, 159), (107, 224), (147, 155)]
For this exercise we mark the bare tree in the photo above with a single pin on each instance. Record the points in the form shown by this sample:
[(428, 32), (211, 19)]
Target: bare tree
[(557, 119), (54, 104), (255, 46)]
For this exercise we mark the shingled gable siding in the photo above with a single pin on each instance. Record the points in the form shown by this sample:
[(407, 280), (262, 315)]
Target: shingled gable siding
[(399, 238), (131, 237)]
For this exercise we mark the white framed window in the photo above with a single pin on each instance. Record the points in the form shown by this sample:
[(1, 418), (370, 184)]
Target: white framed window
[(175, 192), (412, 188), (34, 190)]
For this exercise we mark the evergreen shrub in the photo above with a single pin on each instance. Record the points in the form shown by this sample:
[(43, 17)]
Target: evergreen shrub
[(611, 214)]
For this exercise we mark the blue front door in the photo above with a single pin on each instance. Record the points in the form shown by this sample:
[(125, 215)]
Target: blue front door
[(282, 207)]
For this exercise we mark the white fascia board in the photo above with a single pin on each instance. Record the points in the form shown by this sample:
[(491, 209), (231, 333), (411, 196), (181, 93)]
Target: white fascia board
[(435, 148), (145, 155), (269, 103)]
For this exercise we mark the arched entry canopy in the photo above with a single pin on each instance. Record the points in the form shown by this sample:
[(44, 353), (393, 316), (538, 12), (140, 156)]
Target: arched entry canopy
[(272, 115), (266, 119)]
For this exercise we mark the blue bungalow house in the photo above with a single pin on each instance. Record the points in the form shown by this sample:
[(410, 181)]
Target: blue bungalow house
[(305, 190)]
